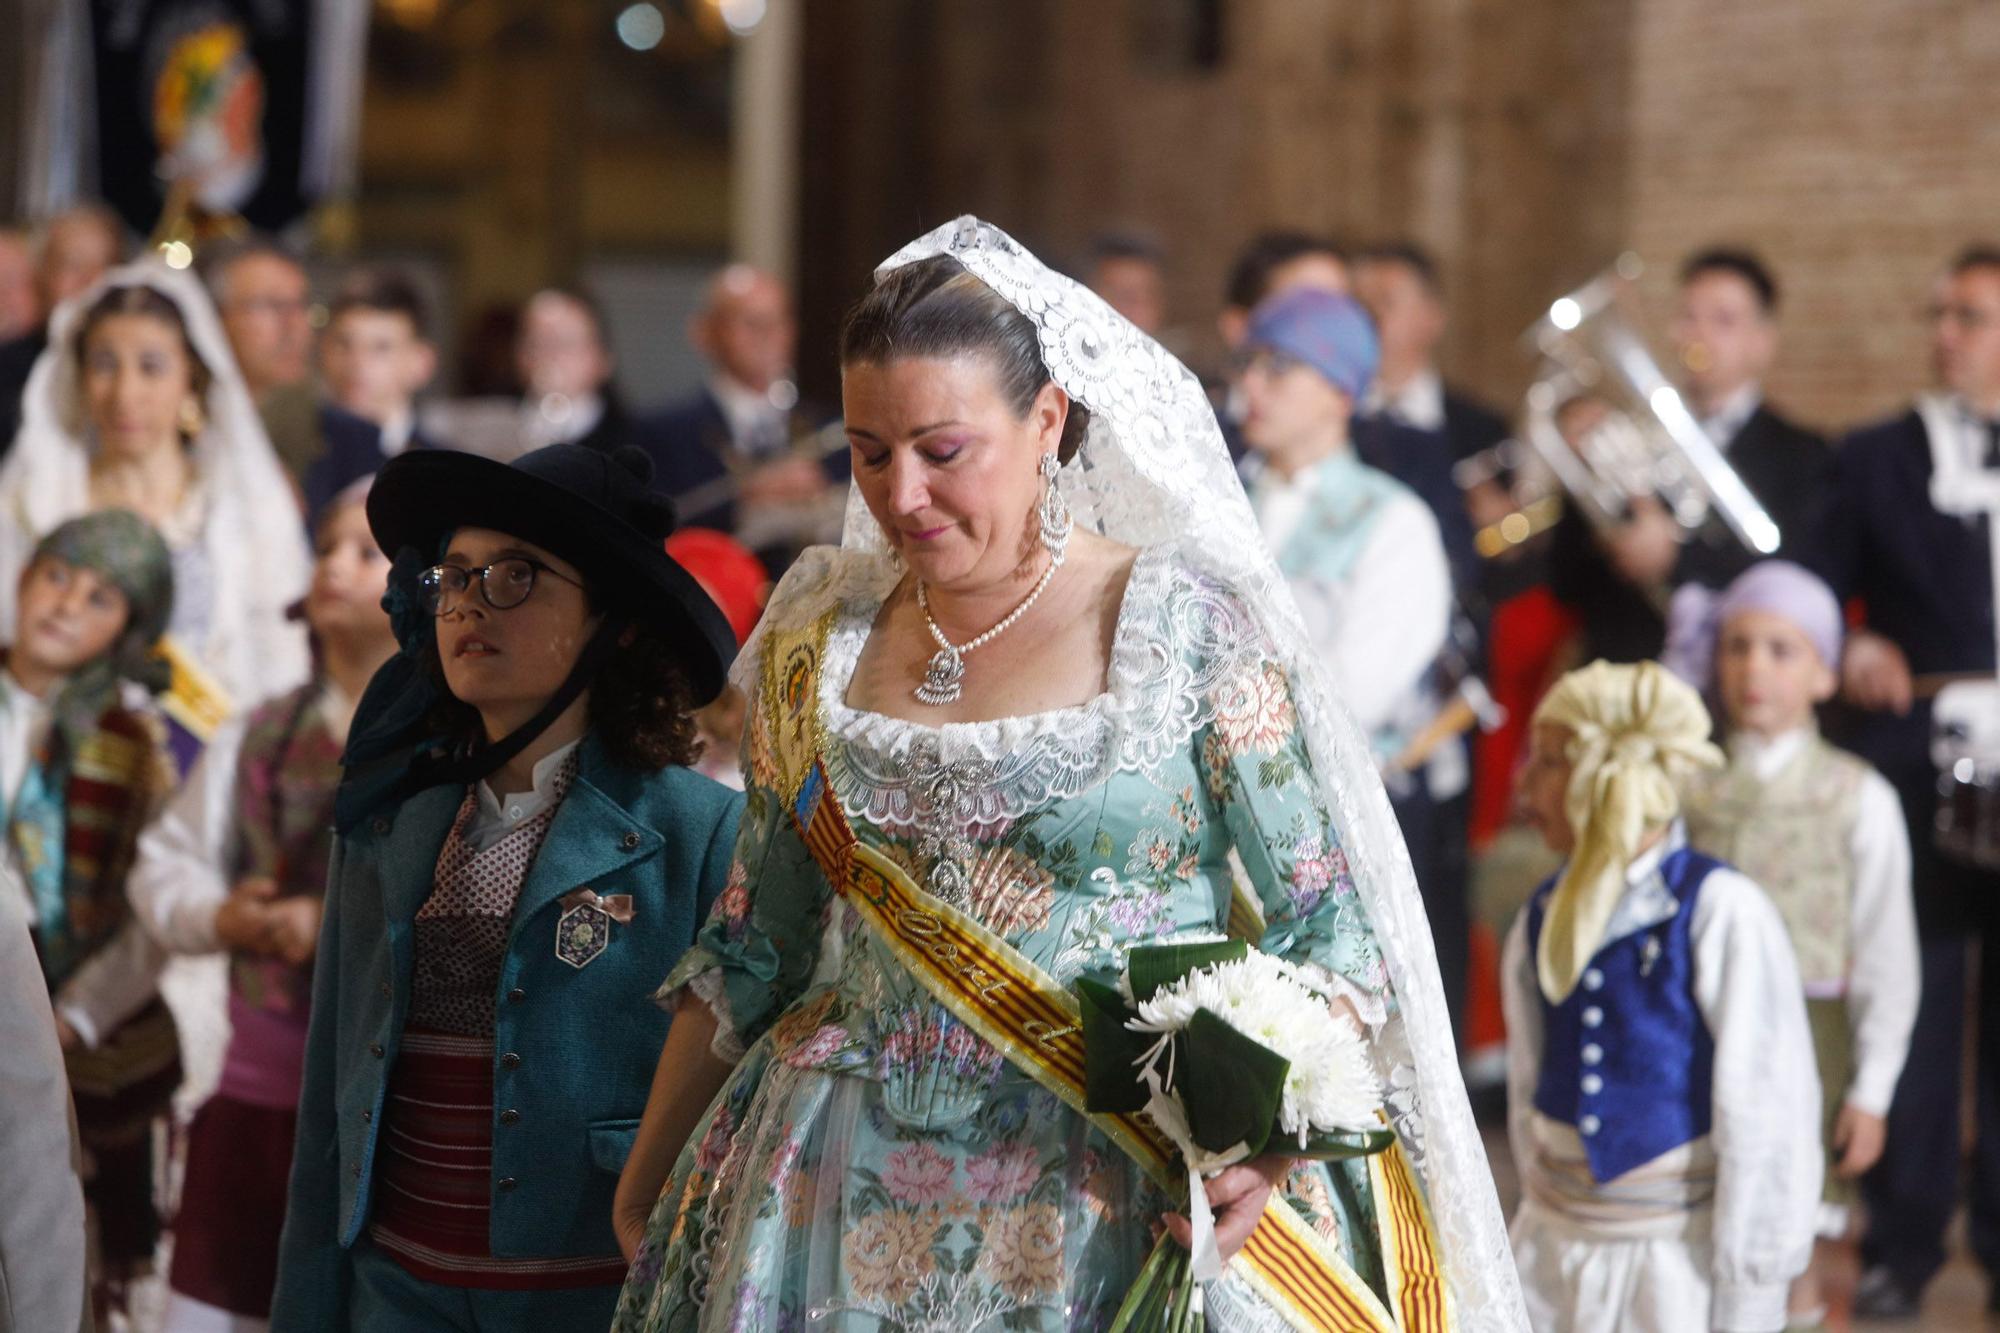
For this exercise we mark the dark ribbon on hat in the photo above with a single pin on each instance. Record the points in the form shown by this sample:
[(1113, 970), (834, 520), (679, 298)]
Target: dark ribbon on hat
[(391, 755)]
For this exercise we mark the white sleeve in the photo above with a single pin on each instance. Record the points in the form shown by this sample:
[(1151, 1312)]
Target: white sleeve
[(179, 878), (115, 983), (42, 1281), (1520, 1001), (1884, 977), (1766, 1129), (1394, 614)]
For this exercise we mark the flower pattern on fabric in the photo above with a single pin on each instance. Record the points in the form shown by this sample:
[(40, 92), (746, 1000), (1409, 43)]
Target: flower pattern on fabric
[(872, 1156)]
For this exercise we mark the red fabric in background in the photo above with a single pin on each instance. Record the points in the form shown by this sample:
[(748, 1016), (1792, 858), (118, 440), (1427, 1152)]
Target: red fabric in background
[(1526, 639)]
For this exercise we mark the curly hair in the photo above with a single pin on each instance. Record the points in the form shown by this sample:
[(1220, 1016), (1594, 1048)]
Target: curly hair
[(641, 706)]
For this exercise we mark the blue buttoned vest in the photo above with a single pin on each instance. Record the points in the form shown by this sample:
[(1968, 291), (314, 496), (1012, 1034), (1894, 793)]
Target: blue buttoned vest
[(1627, 1059)]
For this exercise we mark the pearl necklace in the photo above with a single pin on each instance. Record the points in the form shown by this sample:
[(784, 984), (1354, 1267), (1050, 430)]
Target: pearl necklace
[(944, 679)]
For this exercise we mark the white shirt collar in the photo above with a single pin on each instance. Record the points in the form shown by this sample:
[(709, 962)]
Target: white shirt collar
[(1647, 901), (1766, 756), (742, 407), (396, 432), (1419, 402), (1735, 412), (518, 807)]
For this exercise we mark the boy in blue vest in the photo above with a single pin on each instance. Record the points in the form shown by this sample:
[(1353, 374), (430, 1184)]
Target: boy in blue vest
[(1664, 1100)]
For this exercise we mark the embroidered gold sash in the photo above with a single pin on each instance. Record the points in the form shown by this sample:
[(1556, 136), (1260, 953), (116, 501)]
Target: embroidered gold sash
[(1034, 1022)]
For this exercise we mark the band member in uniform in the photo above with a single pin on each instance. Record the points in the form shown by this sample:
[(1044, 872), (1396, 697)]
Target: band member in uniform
[(1903, 540)]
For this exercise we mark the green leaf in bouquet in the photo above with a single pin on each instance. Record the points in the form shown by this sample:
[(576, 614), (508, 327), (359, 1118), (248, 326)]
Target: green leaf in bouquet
[(1151, 966), (1338, 1145), (1111, 1051), (1231, 1085)]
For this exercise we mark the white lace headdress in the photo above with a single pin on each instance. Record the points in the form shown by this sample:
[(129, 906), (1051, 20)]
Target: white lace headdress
[(251, 529), (1153, 469)]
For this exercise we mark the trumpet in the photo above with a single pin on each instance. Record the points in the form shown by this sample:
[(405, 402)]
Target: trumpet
[(1628, 433)]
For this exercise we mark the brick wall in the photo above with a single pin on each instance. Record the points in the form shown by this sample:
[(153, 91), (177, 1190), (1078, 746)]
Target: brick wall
[(1527, 142)]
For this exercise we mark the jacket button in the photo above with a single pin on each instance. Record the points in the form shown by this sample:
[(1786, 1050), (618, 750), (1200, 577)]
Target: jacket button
[(1589, 1125), (510, 1061), (357, 1171), (375, 1049), (630, 840), (508, 1182), (381, 826), (516, 996), (1593, 1054), (1593, 979), (1593, 1017), (509, 1116), (388, 991), (367, 1116), (1592, 1085)]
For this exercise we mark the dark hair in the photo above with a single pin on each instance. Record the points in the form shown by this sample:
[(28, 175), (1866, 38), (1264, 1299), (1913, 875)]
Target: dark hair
[(1250, 274), (1109, 245), (1411, 256), (1978, 255), (386, 291), (1738, 263), (641, 706), (582, 298), (935, 308), (219, 258), (139, 299)]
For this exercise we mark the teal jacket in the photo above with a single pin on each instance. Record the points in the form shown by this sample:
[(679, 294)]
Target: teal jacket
[(574, 1048)]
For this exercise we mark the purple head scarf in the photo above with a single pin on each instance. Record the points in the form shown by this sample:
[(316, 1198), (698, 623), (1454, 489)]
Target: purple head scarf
[(1329, 332), (1697, 615)]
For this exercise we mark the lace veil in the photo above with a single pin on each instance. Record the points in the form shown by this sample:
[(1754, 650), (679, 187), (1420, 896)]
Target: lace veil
[(1153, 469)]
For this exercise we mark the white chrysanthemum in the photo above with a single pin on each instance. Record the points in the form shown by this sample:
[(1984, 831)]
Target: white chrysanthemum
[(1332, 1084)]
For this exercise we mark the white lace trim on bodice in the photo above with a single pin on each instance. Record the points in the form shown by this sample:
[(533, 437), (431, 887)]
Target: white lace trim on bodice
[(1179, 635)]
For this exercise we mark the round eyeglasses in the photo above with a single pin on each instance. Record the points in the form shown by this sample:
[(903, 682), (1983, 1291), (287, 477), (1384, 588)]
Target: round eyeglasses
[(503, 585)]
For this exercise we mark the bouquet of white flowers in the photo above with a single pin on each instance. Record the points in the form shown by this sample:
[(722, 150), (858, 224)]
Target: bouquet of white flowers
[(1232, 1053)]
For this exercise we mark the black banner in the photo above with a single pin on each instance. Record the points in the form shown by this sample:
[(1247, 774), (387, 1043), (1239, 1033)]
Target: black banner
[(210, 92)]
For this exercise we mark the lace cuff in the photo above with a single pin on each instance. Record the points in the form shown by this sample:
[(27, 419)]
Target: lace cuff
[(701, 972)]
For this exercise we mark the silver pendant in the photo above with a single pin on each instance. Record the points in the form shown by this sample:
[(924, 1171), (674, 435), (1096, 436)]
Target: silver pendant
[(943, 679)]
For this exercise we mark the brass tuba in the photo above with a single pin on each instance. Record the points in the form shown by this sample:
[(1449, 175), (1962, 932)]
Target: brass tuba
[(1612, 428)]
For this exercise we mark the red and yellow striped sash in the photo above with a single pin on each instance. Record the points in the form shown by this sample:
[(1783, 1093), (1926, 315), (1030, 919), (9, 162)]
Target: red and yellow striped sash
[(1035, 1023)]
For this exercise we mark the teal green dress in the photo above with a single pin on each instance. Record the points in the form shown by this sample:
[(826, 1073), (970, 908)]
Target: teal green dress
[(872, 1163)]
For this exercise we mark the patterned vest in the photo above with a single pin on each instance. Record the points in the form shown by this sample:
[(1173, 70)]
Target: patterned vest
[(1627, 1059), (1792, 835)]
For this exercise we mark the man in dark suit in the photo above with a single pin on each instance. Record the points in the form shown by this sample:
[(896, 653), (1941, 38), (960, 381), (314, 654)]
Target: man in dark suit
[(1917, 556), (77, 247), (1726, 337), (742, 455), (1399, 283)]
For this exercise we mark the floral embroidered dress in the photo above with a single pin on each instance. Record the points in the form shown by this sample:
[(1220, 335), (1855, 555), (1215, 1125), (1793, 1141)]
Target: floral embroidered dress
[(872, 1163)]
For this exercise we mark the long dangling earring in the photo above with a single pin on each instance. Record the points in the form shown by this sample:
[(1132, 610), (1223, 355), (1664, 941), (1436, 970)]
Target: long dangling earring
[(1057, 521), (192, 420)]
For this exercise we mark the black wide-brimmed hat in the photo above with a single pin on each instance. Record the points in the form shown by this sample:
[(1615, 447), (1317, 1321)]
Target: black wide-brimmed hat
[(592, 508)]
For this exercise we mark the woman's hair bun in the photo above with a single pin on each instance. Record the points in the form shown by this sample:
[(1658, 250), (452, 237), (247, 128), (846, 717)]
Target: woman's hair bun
[(634, 461)]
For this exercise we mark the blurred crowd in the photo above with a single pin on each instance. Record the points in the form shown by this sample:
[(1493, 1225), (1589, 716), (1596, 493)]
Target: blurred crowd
[(239, 409)]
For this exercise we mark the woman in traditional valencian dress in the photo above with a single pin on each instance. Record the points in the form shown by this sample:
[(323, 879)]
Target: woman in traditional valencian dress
[(1022, 719)]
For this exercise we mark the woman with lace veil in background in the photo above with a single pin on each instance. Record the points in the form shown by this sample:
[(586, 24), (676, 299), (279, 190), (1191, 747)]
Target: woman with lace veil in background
[(138, 404), (1046, 687)]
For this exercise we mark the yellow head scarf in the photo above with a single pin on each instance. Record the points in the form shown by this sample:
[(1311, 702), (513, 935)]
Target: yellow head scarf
[(1636, 732)]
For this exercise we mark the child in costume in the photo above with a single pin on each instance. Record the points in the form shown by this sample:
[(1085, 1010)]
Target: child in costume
[(238, 862), (1664, 1104), (1823, 833), (83, 764), (519, 848)]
